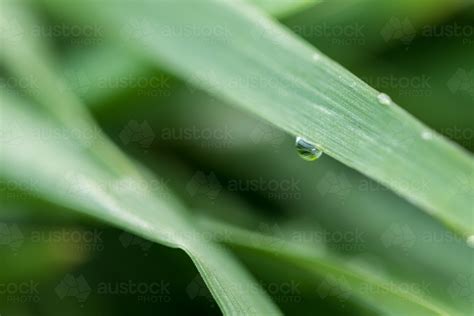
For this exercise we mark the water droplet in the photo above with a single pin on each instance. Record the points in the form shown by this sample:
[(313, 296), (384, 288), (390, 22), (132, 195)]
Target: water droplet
[(470, 241), (384, 99), (427, 135), (316, 57), (306, 150)]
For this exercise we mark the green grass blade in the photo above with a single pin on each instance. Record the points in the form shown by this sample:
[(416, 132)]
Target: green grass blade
[(27, 57), (96, 64), (261, 67), (332, 197), (283, 8), (385, 296), (72, 171), (71, 177)]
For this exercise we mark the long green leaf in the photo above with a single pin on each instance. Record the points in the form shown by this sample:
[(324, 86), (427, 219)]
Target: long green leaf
[(88, 67), (262, 68), (34, 148), (72, 173), (387, 297)]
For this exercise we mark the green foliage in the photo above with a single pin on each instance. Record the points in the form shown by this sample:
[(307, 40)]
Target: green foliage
[(60, 152)]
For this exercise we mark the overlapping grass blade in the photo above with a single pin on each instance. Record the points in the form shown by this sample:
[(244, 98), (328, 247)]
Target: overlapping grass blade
[(387, 297), (70, 177), (262, 68), (94, 177)]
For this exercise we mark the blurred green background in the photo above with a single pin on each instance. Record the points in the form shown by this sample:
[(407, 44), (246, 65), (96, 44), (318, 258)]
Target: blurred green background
[(231, 166)]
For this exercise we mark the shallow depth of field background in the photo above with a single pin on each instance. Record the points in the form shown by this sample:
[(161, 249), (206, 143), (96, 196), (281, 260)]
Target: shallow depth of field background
[(224, 162)]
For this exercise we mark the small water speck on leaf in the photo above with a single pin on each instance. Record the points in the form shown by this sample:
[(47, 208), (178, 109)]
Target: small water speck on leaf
[(427, 135), (384, 99), (470, 241)]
